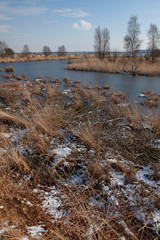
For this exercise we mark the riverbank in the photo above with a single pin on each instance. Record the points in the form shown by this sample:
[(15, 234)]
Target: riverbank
[(37, 57), (76, 163), (139, 66)]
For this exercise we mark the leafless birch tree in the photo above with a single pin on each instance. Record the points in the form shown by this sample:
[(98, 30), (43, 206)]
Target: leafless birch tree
[(154, 40), (131, 41), (101, 42)]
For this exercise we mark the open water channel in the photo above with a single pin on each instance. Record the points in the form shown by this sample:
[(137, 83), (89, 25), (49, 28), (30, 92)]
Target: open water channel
[(132, 86)]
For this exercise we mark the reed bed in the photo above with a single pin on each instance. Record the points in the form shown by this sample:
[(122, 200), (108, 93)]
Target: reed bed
[(37, 57), (140, 66)]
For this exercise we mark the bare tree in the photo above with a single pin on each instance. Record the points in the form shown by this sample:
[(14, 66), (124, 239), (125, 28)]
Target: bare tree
[(3, 46), (131, 40), (26, 50), (101, 42), (154, 40), (61, 51), (46, 50)]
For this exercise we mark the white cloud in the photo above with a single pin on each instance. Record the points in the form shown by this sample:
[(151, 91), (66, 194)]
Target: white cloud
[(4, 17), (4, 28), (62, 10), (83, 25), (74, 13), (31, 10)]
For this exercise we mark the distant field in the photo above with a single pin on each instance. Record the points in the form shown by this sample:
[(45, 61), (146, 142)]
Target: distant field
[(36, 57)]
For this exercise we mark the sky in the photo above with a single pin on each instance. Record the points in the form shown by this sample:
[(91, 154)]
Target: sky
[(72, 23)]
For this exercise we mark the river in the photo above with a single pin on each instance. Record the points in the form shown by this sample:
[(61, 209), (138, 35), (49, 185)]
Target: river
[(132, 86)]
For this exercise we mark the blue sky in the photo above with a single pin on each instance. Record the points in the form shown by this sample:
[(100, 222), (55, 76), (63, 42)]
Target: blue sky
[(72, 23)]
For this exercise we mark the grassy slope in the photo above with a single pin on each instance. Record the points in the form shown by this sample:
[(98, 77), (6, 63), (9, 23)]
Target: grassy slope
[(76, 164)]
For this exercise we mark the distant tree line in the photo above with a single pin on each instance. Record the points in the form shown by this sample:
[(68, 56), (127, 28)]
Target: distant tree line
[(61, 51), (132, 42), (6, 51)]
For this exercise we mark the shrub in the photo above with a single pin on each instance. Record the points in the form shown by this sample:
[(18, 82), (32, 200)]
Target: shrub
[(107, 87), (9, 69), (6, 76), (67, 81), (97, 87), (9, 52), (18, 77), (151, 103)]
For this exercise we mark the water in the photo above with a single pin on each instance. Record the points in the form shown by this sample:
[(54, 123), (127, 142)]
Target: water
[(132, 86)]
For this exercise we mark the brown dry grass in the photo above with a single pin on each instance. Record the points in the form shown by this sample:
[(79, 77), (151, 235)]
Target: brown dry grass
[(141, 66), (9, 69), (96, 124), (155, 121), (37, 57), (13, 119)]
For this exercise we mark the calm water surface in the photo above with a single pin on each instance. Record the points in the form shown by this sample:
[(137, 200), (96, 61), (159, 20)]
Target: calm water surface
[(132, 86)]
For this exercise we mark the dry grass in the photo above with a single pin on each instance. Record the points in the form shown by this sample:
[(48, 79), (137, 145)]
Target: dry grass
[(151, 103), (9, 69), (13, 119), (115, 99), (18, 77), (140, 66), (155, 121), (107, 87), (7, 76), (67, 81), (29, 171), (37, 57), (89, 136)]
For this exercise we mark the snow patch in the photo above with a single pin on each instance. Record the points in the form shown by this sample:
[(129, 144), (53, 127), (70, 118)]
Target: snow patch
[(61, 152), (35, 231), (144, 175), (52, 203)]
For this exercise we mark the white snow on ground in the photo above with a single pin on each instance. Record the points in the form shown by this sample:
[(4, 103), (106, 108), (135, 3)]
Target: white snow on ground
[(117, 178), (90, 232), (156, 219), (5, 228), (131, 192), (152, 220), (67, 91), (142, 95), (156, 143), (62, 151), (51, 203), (2, 150), (35, 231), (112, 160), (15, 137), (127, 230), (7, 135), (24, 238), (144, 175)]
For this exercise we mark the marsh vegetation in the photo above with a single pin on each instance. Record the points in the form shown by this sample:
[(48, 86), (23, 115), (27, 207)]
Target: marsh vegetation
[(78, 162)]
